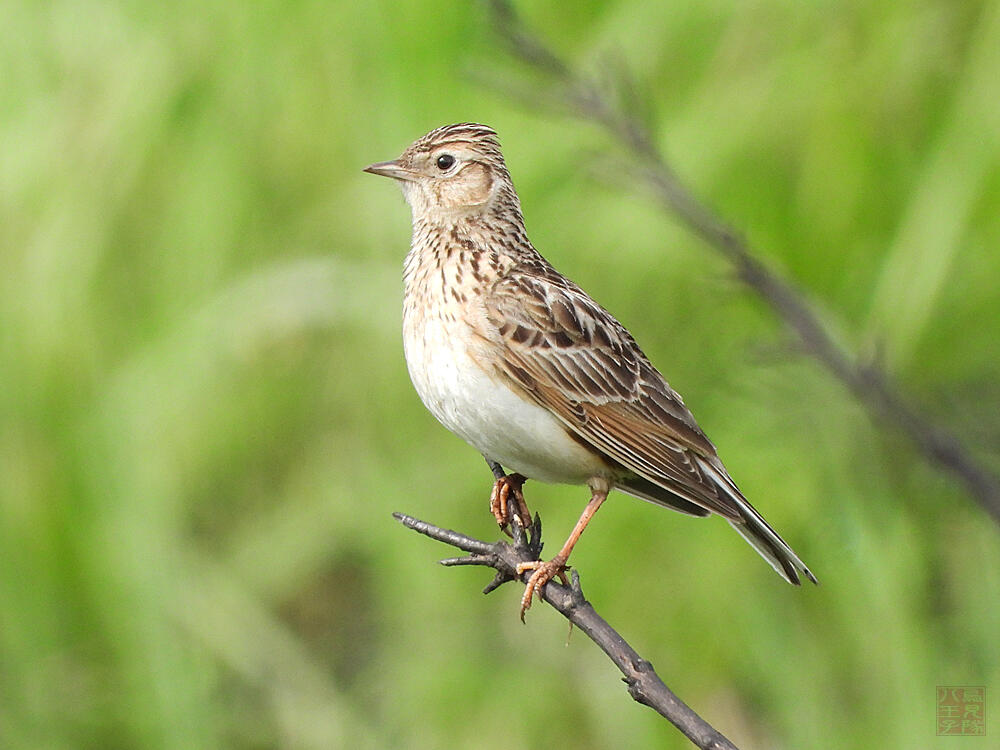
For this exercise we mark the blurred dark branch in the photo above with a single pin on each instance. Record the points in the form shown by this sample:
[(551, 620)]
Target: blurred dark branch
[(644, 685), (613, 108)]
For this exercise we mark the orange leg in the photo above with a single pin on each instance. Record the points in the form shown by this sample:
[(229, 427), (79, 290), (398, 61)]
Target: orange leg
[(505, 489), (546, 571)]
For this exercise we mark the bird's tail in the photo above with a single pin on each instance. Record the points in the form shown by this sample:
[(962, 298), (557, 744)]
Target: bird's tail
[(758, 532), (772, 547)]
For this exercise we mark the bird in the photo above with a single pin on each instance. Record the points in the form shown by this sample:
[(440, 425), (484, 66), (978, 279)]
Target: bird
[(522, 364)]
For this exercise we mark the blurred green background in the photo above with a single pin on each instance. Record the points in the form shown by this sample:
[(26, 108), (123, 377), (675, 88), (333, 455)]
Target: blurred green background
[(205, 417)]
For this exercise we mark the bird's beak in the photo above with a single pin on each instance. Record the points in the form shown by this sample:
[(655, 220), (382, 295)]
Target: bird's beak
[(392, 169)]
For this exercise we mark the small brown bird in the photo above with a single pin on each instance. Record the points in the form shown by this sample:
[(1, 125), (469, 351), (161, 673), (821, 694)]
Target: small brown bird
[(522, 364)]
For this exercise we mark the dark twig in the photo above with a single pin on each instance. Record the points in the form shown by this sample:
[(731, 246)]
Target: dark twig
[(497, 469), (870, 383), (644, 685)]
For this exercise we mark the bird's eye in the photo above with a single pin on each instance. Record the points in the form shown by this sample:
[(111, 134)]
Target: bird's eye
[(445, 162)]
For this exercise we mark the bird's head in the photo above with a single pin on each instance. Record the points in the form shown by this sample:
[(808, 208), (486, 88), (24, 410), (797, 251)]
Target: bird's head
[(454, 171)]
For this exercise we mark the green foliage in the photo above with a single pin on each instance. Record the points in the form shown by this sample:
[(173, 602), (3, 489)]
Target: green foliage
[(205, 417)]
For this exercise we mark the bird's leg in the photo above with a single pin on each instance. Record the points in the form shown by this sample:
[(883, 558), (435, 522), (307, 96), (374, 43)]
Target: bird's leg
[(546, 571), (507, 487)]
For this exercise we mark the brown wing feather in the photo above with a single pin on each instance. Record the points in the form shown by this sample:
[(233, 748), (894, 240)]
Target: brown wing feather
[(573, 357)]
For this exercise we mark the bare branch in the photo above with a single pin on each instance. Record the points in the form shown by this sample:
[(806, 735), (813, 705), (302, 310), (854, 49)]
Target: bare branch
[(644, 685), (870, 384)]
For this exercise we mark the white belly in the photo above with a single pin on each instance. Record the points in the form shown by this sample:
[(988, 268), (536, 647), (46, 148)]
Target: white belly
[(503, 426)]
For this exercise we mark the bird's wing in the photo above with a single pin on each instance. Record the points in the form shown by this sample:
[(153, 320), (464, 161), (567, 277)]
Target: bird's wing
[(574, 358)]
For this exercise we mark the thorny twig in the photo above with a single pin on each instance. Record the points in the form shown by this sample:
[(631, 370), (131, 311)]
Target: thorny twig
[(644, 685)]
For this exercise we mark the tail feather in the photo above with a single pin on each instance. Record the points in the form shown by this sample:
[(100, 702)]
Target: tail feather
[(773, 548), (758, 532), (743, 517)]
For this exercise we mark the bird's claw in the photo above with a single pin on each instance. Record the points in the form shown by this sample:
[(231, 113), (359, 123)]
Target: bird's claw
[(506, 489), (544, 572)]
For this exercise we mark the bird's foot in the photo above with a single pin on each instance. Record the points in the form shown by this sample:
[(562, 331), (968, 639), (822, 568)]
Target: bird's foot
[(507, 493), (544, 572)]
